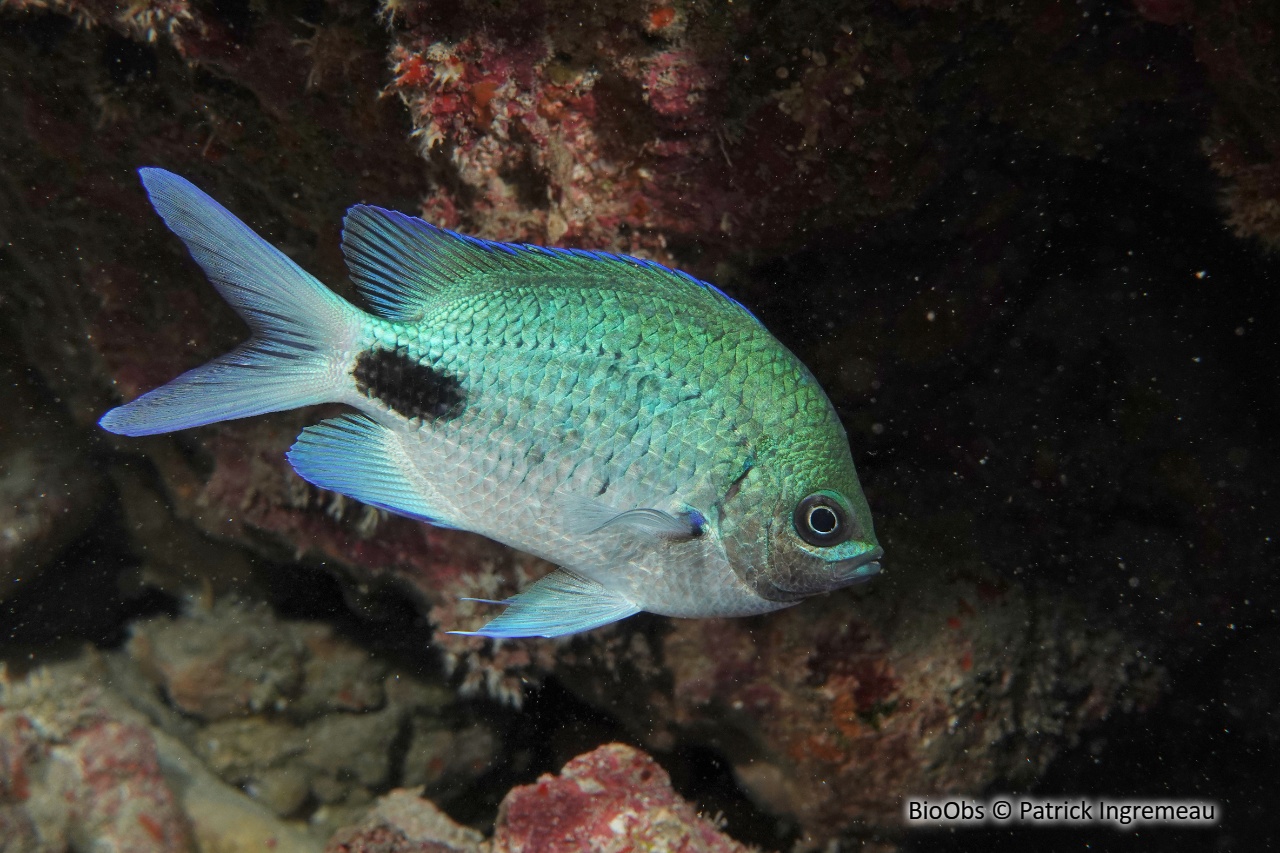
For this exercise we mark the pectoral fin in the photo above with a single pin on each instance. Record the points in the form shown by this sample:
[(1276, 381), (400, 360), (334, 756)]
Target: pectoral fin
[(561, 603), (584, 515)]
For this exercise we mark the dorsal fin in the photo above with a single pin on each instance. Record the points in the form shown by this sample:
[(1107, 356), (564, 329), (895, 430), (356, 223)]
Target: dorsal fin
[(402, 264)]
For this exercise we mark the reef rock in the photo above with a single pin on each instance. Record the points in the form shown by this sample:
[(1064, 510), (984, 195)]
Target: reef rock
[(298, 716), (613, 799), (234, 659), (403, 822), (71, 770)]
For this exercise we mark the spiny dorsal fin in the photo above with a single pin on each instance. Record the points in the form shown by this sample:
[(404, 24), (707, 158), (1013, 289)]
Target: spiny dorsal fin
[(402, 264)]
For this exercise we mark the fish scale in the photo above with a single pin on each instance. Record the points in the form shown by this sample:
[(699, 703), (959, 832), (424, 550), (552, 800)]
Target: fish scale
[(629, 415), (626, 421)]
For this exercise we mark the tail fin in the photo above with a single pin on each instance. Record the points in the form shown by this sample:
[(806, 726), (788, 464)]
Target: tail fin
[(300, 327)]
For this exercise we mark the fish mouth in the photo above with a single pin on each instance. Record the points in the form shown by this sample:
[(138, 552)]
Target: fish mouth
[(842, 573), (856, 569)]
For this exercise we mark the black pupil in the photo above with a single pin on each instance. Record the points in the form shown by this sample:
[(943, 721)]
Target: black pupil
[(822, 519)]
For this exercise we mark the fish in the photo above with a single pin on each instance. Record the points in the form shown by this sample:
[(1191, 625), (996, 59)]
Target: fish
[(625, 421)]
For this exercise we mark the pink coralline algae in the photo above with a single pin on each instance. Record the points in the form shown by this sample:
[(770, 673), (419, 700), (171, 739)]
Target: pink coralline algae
[(121, 793), (633, 127), (72, 771), (615, 799)]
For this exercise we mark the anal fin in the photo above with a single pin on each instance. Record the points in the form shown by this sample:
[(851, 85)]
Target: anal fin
[(562, 603), (362, 459)]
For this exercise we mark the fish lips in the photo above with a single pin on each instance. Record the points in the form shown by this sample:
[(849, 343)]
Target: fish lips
[(858, 569), (842, 573)]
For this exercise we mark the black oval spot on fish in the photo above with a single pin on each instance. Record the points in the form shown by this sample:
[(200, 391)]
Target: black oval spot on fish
[(408, 387)]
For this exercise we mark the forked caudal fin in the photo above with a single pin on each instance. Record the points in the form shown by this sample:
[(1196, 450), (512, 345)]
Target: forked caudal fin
[(299, 326)]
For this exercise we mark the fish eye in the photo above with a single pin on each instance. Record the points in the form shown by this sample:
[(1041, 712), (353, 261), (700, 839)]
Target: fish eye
[(820, 519)]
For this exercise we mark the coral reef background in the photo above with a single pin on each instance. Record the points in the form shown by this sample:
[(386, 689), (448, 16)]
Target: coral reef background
[(1028, 248)]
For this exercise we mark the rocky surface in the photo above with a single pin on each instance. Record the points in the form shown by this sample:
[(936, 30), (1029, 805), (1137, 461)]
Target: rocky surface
[(306, 722), (85, 753), (236, 659), (403, 822), (647, 127), (232, 725), (612, 799), (71, 770)]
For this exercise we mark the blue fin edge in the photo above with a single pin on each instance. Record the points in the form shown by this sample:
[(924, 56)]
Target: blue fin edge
[(388, 295), (357, 457), (560, 604)]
